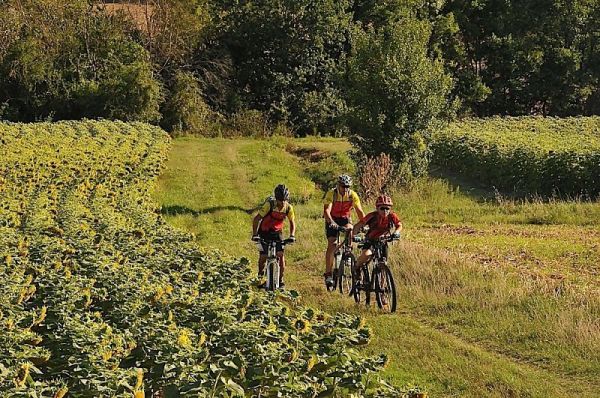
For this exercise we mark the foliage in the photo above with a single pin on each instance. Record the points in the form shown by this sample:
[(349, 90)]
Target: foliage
[(74, 62), (99, 297), (375, 176), (287, 57), (534, 57), (397, 94), (185, 109), (535, 155)]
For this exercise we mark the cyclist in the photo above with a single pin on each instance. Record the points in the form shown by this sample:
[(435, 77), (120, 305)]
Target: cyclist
[(381, 222), (268, 225), (337, 207)]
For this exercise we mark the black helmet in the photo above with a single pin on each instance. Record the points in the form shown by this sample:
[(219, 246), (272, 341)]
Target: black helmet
[(281, 192)]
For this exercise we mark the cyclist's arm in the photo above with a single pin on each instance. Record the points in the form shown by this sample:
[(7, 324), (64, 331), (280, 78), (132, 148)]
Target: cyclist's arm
[(358, 206), (255, 223), (327, 212), (292, 219), (397, 224), (358, 227)]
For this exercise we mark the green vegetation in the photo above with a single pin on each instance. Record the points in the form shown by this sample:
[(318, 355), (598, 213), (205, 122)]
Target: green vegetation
[(498, 297), (532, 155), (294, 61), (99, 297)]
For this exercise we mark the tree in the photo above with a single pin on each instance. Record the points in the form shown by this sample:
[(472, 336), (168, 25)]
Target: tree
[(397, 93), (287, 57), (74, 61)]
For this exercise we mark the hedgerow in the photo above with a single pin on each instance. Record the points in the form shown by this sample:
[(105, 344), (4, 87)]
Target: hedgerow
[(534, 155), (100, 298)]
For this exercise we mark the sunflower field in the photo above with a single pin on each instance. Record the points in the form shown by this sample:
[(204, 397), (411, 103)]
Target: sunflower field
[(99, 297), (534, 155)]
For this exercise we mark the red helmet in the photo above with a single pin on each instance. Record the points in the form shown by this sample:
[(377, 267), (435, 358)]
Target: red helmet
[(384, 200)]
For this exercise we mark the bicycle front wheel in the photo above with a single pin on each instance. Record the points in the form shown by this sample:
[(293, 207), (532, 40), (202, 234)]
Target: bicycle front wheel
[(344, 273), (272, 273), (361, 286), (384, 288)]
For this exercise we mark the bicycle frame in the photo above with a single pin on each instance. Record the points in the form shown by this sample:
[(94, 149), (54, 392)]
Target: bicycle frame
[(272, 264)]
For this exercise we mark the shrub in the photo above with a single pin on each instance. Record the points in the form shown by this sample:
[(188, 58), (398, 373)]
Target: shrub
[(74, 61), (185, 110), (375, 175)]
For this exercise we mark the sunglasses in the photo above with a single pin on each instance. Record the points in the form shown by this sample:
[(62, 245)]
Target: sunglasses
[(383, 208), (345, 186)]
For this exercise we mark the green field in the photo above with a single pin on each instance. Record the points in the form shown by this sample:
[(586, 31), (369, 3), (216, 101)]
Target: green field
[(100, 297), (529, 155), (497, 297)]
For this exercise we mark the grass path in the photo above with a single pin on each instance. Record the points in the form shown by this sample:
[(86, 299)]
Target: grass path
[(461, 330)]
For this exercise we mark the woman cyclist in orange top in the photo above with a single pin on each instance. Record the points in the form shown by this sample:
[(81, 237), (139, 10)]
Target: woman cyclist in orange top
[(268, 225), (337, 207)]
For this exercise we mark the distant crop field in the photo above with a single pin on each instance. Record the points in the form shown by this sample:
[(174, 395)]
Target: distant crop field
[(532, 155)]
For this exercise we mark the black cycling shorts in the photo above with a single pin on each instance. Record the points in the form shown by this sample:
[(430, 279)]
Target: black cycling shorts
[(341, 221), (271, 236), (369, 243)]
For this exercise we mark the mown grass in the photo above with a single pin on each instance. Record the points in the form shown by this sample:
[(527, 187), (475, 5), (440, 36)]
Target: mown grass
[(498, 297)]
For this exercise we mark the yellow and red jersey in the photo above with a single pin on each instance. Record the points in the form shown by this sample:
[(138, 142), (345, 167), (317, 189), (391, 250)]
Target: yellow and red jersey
[(380, 225), (342, 205), (272, 220)]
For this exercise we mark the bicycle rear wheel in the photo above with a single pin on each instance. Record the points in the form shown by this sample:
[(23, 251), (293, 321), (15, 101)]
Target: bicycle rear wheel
[(384, 288), (347, 264)]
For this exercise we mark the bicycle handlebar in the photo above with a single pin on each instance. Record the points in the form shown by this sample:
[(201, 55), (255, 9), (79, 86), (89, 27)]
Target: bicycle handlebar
[(287, 241)]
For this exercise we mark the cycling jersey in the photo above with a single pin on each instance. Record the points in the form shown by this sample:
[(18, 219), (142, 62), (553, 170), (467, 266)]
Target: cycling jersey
[(272, 220), (380, 225), (341, 204)]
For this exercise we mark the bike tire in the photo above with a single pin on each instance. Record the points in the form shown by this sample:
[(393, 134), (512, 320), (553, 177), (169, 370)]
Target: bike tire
[(361, 290), (385, 288), (271, 275), (345, 281), (333, 286)]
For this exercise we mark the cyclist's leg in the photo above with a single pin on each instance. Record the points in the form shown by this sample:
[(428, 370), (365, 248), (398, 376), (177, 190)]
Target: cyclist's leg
[(331, 245), (262, 259), (281, 258), (332, 235), (365, 256)]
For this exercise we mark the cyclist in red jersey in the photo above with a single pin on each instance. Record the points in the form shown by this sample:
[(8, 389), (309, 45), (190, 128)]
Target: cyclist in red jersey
[(337, 207), (268, 225), (381, 222)]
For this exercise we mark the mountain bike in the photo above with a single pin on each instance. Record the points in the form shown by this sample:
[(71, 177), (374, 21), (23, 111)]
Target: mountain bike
[(375, 276), (344, 262), (272, 263)]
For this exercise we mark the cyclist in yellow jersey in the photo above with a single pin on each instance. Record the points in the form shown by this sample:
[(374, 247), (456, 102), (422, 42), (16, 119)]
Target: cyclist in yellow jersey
[(337, 207), (268, 225)]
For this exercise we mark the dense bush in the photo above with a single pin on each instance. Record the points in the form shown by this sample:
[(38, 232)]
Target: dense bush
[(185, 109), (74, 61), (530, 155)]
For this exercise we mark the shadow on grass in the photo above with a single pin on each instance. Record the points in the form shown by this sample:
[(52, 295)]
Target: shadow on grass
[(177, 210)]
